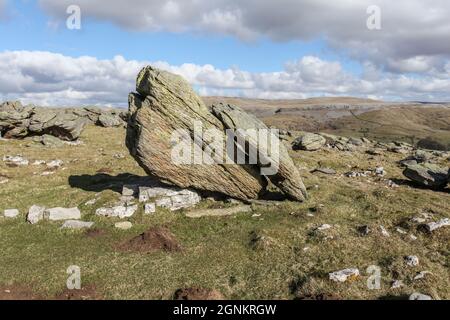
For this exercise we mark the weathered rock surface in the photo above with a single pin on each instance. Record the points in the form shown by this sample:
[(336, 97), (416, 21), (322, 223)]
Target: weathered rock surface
[(287, 176), (57, 214), (428, 174), (35, 214), (121, 211), (165, 103), (309, 142)]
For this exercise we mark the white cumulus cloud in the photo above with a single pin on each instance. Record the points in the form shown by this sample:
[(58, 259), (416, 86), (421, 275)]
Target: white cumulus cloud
[(47, 78)]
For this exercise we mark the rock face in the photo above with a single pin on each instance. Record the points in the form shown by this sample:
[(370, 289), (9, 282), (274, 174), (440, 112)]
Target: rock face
[(309, 142), (428, 174), (164, 104)]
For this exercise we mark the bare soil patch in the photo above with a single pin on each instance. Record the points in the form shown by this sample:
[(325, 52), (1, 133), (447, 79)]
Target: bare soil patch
[(85, 293), (17, 292), (195, 293), (154, 239)]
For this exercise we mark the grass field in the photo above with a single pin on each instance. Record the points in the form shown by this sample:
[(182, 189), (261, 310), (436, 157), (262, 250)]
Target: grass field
[(292, 260)]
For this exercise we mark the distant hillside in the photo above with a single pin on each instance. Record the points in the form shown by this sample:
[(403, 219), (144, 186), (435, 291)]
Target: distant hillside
[(411, 122)]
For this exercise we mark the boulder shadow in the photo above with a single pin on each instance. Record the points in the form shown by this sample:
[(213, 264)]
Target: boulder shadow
[(415, 185), (101, 181)]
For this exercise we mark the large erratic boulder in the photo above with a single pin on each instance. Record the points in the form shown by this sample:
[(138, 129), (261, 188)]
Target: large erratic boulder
[(428, 174), (165, 103)]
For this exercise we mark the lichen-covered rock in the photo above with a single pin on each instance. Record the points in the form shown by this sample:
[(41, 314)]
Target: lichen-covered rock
[(287, 176), (165, 103), (428, 175), (309, 142)]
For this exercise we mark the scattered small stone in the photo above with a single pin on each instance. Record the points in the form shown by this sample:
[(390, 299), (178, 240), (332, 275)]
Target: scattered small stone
[(421, 275), (384, 232), (124, 225), (117, 211), (412, 237), (15, 161), (35, 214), (379, 171), (324, 227), (149, 208), (401, 231), (344, 275), (433, 226), (412, 261), (397, 284), (47, 173), (91, 202), (54, 164), (11, 213), (119, 156), (39, 162), (256, 215), (419, 296), (77, 224)]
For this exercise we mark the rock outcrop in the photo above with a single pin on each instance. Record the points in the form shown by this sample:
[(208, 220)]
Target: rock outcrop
[(18, 121), (428, 175), (309, 142), (165, 104)]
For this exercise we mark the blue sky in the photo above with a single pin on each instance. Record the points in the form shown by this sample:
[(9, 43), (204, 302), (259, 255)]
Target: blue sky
[(27, 28), (314, 49)]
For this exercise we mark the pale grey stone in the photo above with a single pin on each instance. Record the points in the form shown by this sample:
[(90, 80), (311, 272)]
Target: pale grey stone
[(57, 214), (433, 226), (419, 296), (35, 214), (412, 261), (117, 211), (344, 275), (11, 213)]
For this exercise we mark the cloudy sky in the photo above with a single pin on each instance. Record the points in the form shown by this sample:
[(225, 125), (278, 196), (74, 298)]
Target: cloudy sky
[(250, 48)]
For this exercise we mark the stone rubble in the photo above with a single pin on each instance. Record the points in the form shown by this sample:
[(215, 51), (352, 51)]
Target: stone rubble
[(344, 275)]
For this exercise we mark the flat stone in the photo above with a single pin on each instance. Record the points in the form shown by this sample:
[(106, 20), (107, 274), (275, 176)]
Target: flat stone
[(124, 225), (218, 212), (117, 211), (433, 226), (344, 275), (57, 214), (11, 213), (397, 284), (77, 224), (35, 214)]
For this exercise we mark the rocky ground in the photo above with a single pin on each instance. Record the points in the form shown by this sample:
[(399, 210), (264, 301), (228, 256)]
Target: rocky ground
[(147, 241)]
